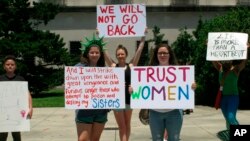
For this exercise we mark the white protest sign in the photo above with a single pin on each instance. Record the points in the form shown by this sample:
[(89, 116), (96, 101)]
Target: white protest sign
[(94, 88), (127, 20), (162, 87), (14, 106), (226, 46)]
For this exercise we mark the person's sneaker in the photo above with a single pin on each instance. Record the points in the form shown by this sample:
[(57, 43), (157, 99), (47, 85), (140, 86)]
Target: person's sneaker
[(223, 135)]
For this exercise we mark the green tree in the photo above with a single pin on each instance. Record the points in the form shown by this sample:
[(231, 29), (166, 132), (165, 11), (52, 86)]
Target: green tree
[(157, 36), (236, 20), (41, 54), (157, 39), (184, 47)]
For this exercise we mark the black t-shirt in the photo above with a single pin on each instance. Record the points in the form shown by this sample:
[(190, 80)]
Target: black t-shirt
[(127, 83), (14, 78)]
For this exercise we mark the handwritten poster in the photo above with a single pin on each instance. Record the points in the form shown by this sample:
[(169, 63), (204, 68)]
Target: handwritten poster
[(94, 88), (127, 20), (14, 106), (226, 46), (162, 87)]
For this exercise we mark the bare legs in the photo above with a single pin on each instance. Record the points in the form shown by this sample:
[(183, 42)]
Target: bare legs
[(123, 119), (88, 132), (165, 137)]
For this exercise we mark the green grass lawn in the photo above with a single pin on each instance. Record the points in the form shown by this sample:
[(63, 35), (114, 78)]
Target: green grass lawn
[(52, 98)]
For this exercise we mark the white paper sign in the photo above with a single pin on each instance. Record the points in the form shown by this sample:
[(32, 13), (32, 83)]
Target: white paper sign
[(94, 88), (14, 106), (162, 87), (127, 20), (226, 46)]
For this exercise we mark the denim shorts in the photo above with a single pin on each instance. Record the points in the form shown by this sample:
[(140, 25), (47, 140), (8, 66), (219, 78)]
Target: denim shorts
[(99, 118)]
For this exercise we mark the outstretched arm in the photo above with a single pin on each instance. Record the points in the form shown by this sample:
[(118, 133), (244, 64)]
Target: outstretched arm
[(108, 59), (217, 65), (242, 65), (139, 50), (30, 106)]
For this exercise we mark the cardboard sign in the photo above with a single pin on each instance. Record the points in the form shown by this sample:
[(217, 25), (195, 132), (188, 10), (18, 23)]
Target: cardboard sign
[(127, 20), (162, 87), (94, 88), (14, 106), (226, 46)]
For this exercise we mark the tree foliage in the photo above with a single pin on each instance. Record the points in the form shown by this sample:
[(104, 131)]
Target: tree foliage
[(40, 54), (157, 36), (157, 39), (192, 49), (184, 47)]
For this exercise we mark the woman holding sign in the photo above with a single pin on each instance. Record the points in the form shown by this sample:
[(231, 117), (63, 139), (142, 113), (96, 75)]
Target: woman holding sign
[(165, 119), (9, 65), (123, 116), (90, 123), (228, 77)]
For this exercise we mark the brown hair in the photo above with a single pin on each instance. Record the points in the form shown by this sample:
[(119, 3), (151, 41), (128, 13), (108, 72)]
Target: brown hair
[(101, 61), (9, 57), (154, 59), (123, 48)]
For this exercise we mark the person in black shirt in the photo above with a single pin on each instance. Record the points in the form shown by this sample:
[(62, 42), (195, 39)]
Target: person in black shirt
[(123, 116), (9, 65)]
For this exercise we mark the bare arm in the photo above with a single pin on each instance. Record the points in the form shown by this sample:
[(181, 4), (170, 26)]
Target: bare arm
[(217, 65), (108, 59), (242, 65), (30, 106), (138, 52)]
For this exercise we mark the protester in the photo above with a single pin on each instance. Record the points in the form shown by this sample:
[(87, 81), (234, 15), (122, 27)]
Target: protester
[(161, 120), (9, 65), (90, 122), (228, 79), (123, 116)]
